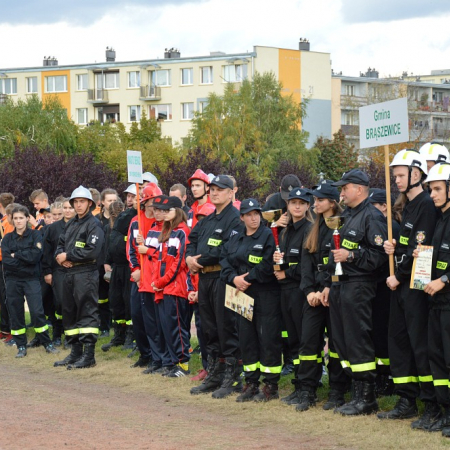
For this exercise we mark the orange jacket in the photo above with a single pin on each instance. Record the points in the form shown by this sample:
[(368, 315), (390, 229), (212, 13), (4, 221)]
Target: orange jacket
[(6, 228)]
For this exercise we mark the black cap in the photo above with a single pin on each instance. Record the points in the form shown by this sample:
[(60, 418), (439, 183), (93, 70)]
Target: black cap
[(354, 176), (322, 182), (222, 181), (326, 190), (377, 195), (44, 210), (288, 183), (164, 202), (249, 204), (301, 194)]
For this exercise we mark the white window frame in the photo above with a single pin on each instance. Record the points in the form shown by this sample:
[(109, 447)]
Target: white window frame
[(102, 85), (28, 81), (202, 105), (138, 113), (159, 109), (84, 112), (134, 79), (187, 76), (209, 77), (52, 79), (187, 111), (350, 90), (234, 73), (82, 86), (12, 86), (155, 82)]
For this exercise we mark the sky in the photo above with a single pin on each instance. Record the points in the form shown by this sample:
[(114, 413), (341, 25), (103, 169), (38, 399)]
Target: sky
[(390, 35)]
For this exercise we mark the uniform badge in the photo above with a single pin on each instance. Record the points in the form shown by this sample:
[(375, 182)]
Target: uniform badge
[(378, 239), (94, 239), (298, 193), (420, 237), (250, 203), (39, 245)]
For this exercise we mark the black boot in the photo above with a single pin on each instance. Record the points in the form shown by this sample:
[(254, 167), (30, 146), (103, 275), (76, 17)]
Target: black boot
[(293, 397), (250, 390), (129, 338), (75, 354), (142, 362), (213, 380), (306, 399), (22, 352), (443, 422), (117, 340), (335, 400), (231, 381), (356, 392), (267, 393), (35, 342), (87, 360), (367, 403), (431, 414), (384, 385), (405, 408)]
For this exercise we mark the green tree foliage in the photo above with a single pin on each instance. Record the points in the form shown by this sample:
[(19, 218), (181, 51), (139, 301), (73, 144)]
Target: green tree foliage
[(32, 122), (255, 124), (336, 156)]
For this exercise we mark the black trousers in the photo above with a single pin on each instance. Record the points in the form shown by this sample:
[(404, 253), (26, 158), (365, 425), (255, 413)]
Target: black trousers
[(58, 293), (119, 294), (16, 291), (194, 310), (380, 313), (292, 304), (218, 322), (439, 353), (80, 306), (315, 321), (260, 340), (4, 316), (351, 322), (408, 344), (174, 317), (136, 309), (104, 310)]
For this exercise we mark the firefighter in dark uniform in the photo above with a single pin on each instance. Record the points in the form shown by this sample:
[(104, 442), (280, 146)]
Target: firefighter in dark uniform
[(439, 291), (218, 322), (22, 253), (361, 255), (247, 265), (78, 249), (408, 321)]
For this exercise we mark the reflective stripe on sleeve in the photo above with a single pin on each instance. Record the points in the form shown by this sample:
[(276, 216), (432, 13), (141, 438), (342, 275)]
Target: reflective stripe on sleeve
[(105, 300)]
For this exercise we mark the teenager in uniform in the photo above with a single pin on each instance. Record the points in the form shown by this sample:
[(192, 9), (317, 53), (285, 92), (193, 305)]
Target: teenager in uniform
[(198, 183), (78, 249), (218, 323), (178, 190), (22, 253), (408, 321), (39, 198), (434, 153), (247, 265), (362, 256)]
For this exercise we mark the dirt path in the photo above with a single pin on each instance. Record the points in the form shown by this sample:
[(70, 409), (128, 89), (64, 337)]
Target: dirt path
[(48, 410)]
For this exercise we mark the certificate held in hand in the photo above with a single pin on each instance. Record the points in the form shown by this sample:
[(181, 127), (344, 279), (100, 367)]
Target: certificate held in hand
[(421, 270)]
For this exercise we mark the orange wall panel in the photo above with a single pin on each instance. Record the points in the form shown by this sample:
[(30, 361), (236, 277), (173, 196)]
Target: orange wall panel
[(64, 97), (289, 72)]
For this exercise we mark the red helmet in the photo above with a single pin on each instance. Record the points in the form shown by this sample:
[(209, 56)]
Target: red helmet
[(199, 175), (150, 191), (205, 210)]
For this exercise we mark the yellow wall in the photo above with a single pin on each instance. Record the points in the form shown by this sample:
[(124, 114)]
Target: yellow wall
[(335, 105), (64, 97), (290, 73)]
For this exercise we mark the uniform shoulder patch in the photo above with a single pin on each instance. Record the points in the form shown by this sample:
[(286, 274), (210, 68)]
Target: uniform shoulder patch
[(378, 239), (420, 237)]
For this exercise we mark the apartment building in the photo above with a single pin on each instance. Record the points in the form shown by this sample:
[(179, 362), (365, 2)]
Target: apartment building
[(172, 88)]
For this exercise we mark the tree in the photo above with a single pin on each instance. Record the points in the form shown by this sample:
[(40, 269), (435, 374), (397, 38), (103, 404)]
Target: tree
[(336, 156)]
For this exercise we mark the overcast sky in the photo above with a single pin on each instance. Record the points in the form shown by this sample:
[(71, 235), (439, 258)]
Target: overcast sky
[(390, 35)]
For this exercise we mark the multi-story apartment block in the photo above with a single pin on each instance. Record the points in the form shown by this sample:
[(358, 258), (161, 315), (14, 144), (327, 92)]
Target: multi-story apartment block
[(170, 89)]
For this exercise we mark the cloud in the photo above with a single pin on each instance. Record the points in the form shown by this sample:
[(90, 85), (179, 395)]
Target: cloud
[(357, 11), (80, 12)]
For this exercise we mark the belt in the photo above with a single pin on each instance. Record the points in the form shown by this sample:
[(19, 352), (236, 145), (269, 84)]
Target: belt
[(214, 268), (90, 263)]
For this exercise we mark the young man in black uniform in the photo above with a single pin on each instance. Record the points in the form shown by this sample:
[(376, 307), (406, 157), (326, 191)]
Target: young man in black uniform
[(218, 322), (22, 253), (361, 256), (78, 249), (408, 321)]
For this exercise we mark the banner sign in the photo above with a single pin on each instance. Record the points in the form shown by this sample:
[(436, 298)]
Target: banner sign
[(134, 164)]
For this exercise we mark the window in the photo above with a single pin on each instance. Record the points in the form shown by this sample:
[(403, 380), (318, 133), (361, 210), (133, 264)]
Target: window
[(187, 76), (202, 105), (235, 73), (82, 82), (8, 86), (56, 84), (206, 75), (349, 119), (31, 85), (187, 111), (160, 77), (161, 112), (134, 79), (108, 80), (135, 113), (82, 116), (350, 90)]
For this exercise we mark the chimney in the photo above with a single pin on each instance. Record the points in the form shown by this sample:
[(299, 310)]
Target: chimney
[(303, 45), (370, 73), (110, 54), (172, 53), (49, 61)]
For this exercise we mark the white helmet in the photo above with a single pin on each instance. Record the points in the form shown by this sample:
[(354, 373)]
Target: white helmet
[(131, 189), (410, 158), (439, 172), (211, 176), (148, 176), (432, 151), (82, 192)]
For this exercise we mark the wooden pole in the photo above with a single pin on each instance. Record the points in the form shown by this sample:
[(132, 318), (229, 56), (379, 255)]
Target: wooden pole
[(141, 257), (388, 204)]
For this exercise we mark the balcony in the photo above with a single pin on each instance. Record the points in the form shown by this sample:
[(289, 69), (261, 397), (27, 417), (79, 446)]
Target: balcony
[(150, 93), (350, 130), (352, 102), (98, 96), (434, 106), (3, 98)]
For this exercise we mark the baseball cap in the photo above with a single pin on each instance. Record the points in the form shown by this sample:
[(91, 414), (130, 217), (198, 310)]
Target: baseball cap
[(166, 203), (326, 190), (222, 181), (288, 183), (354, 176), (249, 204), (300, 193)]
